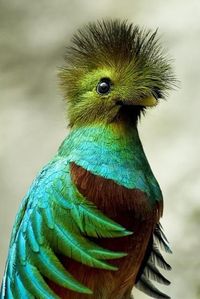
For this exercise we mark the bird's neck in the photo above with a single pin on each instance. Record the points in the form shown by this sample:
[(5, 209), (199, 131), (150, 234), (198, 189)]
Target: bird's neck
[(112, 151)]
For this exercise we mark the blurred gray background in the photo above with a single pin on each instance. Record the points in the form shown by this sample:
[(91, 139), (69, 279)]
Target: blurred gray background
[(33, 35)]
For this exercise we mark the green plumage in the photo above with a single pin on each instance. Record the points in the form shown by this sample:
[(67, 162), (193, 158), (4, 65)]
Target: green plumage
[(131, 57), (114, 153), (55, 218), (56, 214)]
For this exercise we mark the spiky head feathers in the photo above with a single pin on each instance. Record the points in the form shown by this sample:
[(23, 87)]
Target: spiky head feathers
[(111, 64)]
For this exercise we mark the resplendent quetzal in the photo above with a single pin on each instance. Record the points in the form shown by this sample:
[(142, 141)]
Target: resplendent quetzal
[(89, 224)]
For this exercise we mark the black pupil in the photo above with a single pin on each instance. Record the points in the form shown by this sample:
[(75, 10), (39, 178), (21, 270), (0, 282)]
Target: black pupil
[(103, 86)]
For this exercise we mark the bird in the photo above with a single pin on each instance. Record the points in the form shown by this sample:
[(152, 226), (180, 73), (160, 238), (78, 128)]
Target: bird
[(89, 225)]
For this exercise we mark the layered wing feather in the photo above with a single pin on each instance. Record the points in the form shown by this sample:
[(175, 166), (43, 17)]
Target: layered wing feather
[(149, 268), (54, 219)]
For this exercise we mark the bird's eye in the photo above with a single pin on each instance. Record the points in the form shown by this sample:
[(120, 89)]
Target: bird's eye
[(103, 87)]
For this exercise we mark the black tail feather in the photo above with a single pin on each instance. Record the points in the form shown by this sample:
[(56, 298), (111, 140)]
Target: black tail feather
[(152, 259), (145, 285)]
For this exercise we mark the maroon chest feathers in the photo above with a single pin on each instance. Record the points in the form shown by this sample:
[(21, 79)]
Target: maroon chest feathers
[(128, 207), (117, 202)]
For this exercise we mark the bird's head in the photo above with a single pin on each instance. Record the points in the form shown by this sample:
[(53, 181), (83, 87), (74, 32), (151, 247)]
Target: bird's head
[(113, 70)]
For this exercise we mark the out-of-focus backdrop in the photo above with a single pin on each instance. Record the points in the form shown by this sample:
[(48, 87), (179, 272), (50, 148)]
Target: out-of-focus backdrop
[(33, 35)]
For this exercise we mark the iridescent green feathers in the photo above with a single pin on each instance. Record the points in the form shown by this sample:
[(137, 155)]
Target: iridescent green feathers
[(55, 219), (113, 153)]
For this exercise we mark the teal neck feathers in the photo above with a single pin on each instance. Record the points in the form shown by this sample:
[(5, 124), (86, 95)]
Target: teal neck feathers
[(114, 152)]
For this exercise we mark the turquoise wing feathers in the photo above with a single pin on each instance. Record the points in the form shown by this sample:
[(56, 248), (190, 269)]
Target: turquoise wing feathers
[(54, 219)]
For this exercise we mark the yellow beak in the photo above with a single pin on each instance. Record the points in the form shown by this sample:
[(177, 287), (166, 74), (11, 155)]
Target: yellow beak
[(148, 101)]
